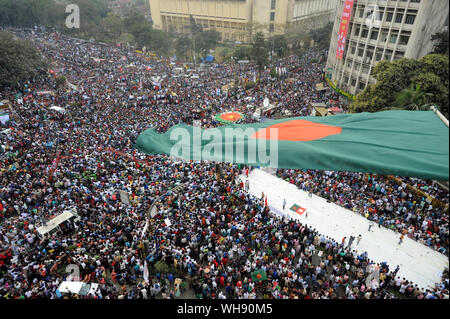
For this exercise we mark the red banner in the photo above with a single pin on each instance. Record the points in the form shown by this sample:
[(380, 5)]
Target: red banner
[(342, 37)]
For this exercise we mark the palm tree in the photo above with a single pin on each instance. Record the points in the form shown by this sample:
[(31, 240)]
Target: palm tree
[(413, 98)]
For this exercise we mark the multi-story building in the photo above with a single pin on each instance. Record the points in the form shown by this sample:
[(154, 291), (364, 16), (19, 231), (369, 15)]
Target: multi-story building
[(380, 30), (235, 20)]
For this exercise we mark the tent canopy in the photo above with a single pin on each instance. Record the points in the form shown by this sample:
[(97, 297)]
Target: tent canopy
[(58, 109)]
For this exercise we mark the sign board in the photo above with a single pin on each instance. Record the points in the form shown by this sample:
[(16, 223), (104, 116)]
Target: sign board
[(342, 36)]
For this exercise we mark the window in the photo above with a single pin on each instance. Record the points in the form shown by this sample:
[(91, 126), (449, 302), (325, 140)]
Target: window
[(364, 34), (384, 36), (399, 55), (353, 82), (404, 39), (374, 35), (353, 49), (388, 55), (357, 30), (271, 27), (361, 13), (272, 16), (393, 38), (362, 85), (360, 52), (357, 66), (389, 16), (410, 19), (273, 5), (398, 18), (365, 69)]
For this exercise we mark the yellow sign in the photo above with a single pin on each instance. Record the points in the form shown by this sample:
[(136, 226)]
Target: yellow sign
[(338, 90)]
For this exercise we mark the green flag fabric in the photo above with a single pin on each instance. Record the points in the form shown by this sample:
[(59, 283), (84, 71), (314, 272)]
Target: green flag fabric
[(402, 143), (259, 275)]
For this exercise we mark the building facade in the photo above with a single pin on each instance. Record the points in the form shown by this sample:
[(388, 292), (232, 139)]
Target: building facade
[(237, 20), (381, 30)]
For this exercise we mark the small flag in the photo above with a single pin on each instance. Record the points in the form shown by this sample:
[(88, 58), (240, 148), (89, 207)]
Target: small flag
[(298, 209), (259, 275)]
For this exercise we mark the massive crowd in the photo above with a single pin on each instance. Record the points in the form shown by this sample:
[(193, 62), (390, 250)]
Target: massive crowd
[(219, 234)]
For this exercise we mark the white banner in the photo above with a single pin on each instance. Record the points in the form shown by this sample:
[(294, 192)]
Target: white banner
[(124, 197), (146, 272), (145, 229)]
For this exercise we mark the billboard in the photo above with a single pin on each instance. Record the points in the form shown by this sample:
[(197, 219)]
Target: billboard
[(342, 36)]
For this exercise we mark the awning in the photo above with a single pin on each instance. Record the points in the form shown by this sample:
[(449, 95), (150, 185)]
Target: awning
[(318, 105), (58, 109), (320, 87)]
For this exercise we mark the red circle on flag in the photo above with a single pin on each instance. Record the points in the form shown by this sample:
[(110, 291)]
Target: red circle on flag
[(233, 116), (297, 130)]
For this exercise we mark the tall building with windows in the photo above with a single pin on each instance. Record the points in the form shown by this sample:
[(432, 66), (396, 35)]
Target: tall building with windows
[(236, 20), (379, 30)]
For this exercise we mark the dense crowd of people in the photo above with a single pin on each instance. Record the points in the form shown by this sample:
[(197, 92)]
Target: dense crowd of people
[(218, 236)]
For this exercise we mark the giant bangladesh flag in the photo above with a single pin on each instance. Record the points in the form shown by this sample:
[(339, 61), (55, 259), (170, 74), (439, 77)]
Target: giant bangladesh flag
[(403, 143)]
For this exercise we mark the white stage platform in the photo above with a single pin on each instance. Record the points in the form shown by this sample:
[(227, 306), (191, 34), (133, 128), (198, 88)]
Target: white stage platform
[(418, 263)]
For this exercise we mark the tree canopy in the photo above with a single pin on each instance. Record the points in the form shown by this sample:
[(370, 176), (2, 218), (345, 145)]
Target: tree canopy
[(430, 73), (259, 50), (19, 60), (322, 36)]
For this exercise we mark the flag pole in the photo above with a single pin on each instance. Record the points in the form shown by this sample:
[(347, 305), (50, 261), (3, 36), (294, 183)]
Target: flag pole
[(439, 114)]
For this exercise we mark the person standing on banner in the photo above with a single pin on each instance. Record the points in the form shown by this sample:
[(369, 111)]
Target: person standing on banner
[(350, 241), (284, 204), (380, 222)]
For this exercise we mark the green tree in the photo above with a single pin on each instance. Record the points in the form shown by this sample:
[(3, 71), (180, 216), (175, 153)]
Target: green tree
[(182, 47), (412, 98), (273, 73), (91, 14), (49, 13), (242, 53), (206, 40), (19, 61), (162, 267), (430, 73), (112, 27), (60, 81), (280, 44), (441, 42), (160, 42), (259, 51), (17, 13), (194, 27), (322, 36)]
